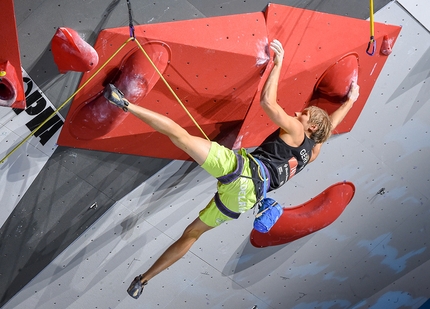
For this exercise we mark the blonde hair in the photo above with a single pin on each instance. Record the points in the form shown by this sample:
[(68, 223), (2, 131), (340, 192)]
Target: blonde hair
[(320, 118)]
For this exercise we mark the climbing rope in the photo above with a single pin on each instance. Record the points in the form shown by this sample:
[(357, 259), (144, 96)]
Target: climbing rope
[(371, 47), (64, 103)]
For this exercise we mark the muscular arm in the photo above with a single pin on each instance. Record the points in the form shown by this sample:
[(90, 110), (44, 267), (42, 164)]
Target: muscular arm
[(268, 99), (337, 116)]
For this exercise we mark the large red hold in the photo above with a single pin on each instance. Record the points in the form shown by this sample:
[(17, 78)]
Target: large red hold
[(217, 67), (10, 85), (71, 52), (214, 67), (135, 79), (308, 217)]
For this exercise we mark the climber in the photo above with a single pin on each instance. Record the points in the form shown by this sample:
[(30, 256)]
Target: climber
[(283, 154)]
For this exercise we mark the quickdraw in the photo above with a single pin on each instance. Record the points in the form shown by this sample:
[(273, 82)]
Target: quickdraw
[(371, 47), (130, 20)]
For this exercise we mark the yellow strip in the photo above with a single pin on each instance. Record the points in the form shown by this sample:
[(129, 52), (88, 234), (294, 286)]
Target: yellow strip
[(64, 104)]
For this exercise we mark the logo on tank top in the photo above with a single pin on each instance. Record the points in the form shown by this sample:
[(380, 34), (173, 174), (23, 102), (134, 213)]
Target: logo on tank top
[(287, 170), (305, 156), (293, 167), (290, 169)]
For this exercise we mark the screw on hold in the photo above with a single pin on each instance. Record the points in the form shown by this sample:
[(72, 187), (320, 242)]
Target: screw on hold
[(255, 307), (381, 191), (93, 205)]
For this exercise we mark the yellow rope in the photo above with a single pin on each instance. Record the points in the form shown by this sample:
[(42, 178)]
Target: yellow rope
[(64, 104), (170, 88), (372, 23)]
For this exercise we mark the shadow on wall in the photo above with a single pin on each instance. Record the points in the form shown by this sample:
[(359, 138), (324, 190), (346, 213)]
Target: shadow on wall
[(250, 266), (55, 210)]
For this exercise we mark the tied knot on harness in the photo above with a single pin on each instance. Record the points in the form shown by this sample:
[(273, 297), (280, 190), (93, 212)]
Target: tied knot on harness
[(269, 210)]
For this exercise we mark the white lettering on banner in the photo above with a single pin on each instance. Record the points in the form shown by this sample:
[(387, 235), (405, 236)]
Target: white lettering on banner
[(28, 160), (39, 109)]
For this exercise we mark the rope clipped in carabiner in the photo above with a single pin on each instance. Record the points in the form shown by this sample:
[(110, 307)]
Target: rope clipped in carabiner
[(371, 47)]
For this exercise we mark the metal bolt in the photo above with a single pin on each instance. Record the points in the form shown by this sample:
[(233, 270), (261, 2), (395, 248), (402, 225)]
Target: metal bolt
[(381, 191)]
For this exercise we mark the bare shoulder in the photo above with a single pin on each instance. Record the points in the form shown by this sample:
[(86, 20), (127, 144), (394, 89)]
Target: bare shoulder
[(293, 137)]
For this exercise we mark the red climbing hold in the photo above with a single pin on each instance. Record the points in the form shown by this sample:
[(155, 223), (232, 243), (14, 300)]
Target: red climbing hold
[(135, 78), (11, 91), (386, 46), (336, 81), (307, 218), (218, 70), (71, 52)]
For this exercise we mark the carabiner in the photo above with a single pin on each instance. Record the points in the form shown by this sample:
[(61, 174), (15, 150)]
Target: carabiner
[(372, 44)]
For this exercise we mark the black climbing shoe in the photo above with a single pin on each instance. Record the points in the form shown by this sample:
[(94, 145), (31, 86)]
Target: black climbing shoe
[(115, 96), (136, 287)]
